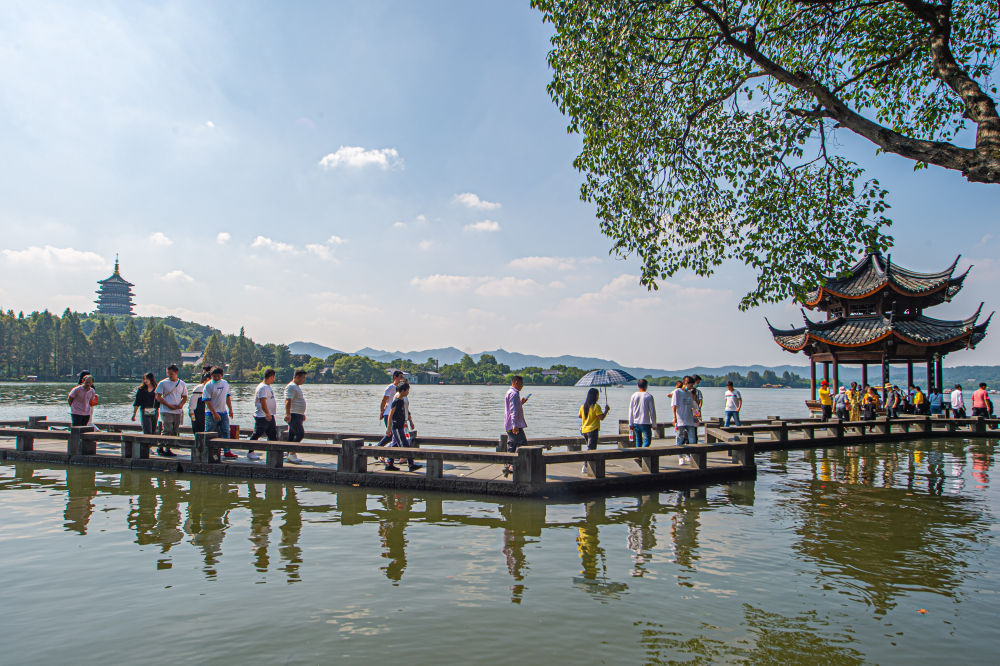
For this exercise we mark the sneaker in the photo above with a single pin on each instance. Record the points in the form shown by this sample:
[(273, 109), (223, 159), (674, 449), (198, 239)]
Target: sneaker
[(389, 467), (229, 455), (415, 467), (506, 470), (253, 456), (168, 453), (294, 459), (583, 470)]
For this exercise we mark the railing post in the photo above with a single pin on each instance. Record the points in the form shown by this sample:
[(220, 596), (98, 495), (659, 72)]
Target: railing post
[(661, 430), (529, 469), (133, 446), (24, 442), (435, 468), (502, 444), (202, 452), (351, 458), (595, 468), (980, 425), (37, 423), (77, 445), (275, 459), (650, 464), (700, 459)]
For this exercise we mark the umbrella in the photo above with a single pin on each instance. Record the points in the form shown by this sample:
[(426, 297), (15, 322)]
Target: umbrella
[(610, 377)]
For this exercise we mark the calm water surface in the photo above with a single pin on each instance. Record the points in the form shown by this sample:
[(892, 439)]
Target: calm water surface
[(828, 557)]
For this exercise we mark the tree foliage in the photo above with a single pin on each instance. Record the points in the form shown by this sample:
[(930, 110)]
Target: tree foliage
[(709, 126)]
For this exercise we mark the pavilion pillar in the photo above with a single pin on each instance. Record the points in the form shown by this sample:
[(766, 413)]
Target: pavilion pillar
[(812, 379), (909, 375), (940, 372), (885, 378), (836, 374), (864, 373), (826, 371), (930, 375)]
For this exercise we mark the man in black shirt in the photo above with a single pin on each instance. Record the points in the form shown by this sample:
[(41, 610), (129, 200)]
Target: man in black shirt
[(397, 424)]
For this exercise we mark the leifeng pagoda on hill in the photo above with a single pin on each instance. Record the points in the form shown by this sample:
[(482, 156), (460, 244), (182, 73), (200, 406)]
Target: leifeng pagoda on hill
[(875, 315), (115, 295)]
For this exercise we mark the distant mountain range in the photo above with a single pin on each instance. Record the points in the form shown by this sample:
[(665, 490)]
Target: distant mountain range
[(445, 355)]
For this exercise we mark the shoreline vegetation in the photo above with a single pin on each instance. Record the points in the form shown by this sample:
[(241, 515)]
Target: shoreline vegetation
[(41, 346)]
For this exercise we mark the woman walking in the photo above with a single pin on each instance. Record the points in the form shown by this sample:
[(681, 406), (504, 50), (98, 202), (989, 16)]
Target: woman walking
[(145, 399), (591, 417), (870, 402), (82, 400)]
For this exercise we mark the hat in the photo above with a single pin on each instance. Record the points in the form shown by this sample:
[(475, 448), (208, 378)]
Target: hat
[(843, 389), (824, 383)]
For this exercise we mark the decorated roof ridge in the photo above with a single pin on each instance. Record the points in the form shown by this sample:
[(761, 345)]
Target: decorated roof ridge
[(115, 277), (874, 272)]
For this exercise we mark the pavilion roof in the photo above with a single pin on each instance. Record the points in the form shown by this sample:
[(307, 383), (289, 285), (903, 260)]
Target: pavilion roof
[(875, 273), (854, 332)]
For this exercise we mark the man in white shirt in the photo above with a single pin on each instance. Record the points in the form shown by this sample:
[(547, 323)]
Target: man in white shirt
[(219, 404), (295, 411), (387, 397), (171, 393), (642, 415), (957, 402), (264, 408), (734, 403), (685, 425)]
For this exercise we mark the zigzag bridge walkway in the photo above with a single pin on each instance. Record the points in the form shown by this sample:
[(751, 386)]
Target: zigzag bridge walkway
[(473, 465)]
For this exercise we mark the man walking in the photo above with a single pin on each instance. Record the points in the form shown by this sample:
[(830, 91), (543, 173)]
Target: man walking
[(219, 404), (398, 413), (696, 397), (980, 402), (387, 397), (957, 402), (642, 415), (513, 418), (295, 411), (264, 408), (734, 403), (685, 425), (172, 395)]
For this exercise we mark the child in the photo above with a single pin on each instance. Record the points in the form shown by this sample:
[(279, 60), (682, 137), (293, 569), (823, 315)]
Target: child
[(396, 424)]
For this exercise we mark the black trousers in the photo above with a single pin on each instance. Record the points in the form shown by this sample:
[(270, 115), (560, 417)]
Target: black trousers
[(263, 427), (590, 438), (514, 441), (296, 431), (827, 412), (79, 419)]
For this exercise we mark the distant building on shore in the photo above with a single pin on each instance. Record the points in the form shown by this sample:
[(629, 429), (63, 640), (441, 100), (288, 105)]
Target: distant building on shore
[(115, 295)]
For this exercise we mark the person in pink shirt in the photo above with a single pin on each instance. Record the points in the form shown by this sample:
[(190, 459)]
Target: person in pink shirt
[(81, 401), (981, 402)]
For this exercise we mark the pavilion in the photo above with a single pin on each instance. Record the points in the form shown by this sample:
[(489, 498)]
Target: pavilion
[(115, 295), (875, 315)]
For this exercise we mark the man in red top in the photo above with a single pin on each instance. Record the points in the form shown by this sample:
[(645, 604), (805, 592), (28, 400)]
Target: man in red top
[(980, 402)]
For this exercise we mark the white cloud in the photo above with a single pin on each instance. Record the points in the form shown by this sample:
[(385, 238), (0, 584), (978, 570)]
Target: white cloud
[(335, 240), (557, 284), (268, 244), (223, 237), (178, 276), (158, 238), (425, 244), (444, 283), (357, 157), (421, 218), (543, 263), (482, 226), (507, 287), (55, 257), (399, 225), (470, 200), (209, 124), (321, 251)]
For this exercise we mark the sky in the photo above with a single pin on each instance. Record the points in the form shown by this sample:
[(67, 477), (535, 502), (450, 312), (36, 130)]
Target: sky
[(383, 174)]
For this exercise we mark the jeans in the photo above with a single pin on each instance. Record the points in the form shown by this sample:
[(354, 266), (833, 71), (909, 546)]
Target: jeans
[(388, 438), (591, 439), (220, 425), (149, 422), (686, 434), (643, 434), (264, 427), (514, 441), (733, 416), (296, 431)]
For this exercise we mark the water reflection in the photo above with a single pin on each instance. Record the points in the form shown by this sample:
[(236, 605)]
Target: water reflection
[(877, 520)]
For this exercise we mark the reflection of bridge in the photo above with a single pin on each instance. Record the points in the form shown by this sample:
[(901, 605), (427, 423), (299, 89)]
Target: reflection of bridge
[(886, 529)]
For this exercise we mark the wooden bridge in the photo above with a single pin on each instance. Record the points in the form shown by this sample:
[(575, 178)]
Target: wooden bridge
[(471, 465)]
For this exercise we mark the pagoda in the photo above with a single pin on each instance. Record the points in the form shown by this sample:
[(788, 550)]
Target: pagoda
[(115, 295), (875, 315)]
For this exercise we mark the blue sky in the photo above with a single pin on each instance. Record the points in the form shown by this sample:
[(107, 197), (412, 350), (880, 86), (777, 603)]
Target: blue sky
[(385, 174)]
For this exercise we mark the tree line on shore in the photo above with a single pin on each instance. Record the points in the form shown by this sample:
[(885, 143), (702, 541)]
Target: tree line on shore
[(48, 346)]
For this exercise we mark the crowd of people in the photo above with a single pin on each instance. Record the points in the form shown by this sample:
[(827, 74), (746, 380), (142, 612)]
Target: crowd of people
[(864, 403)]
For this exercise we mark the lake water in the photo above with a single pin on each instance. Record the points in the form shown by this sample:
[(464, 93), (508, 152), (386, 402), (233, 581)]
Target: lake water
[(880, 554)]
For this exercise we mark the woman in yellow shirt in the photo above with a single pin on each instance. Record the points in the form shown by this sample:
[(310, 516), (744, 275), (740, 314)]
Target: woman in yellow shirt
[(870, 401), (591, 417), (854, 397)]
